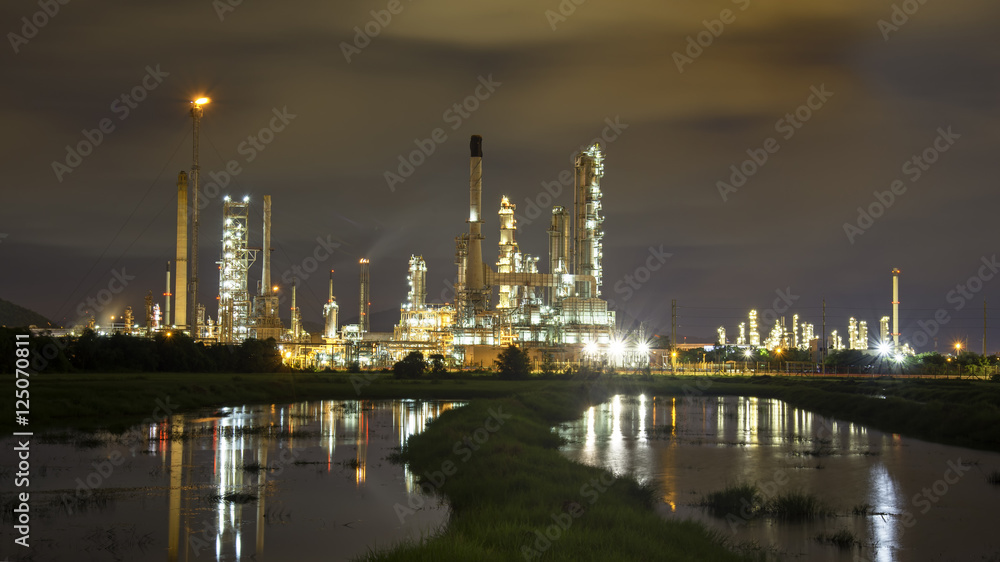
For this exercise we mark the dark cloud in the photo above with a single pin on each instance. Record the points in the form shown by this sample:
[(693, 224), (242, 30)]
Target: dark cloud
[(607, 60)]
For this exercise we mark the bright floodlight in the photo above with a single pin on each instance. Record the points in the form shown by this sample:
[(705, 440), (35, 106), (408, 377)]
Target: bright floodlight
[(617, 347), (643, 348), (201, 101), (590, 348), (883, 348), (899, 358), (747, 353)]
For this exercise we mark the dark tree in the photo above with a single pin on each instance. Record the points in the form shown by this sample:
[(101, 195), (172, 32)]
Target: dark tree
[(513, 363), (437, 364), (411, 367)]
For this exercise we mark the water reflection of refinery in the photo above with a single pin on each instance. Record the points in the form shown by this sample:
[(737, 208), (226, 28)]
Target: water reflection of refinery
[(687, 447), (261, 452)]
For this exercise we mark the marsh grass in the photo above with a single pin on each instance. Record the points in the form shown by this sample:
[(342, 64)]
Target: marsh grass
[(862, 509), (993, 477), (843, 539), (745, 500), (233, 497)]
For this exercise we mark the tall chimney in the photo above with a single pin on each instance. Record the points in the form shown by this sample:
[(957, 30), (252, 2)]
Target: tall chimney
[(266, 252), (364, 302), (895, 308), (474, 278), (166, 297), (181, 281), (294, 320)]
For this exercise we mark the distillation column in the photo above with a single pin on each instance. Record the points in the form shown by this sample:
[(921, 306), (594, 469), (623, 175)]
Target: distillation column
[(181, 291), (330, 313), (559, 250), (589, 222), (417, 279), (507, 261)]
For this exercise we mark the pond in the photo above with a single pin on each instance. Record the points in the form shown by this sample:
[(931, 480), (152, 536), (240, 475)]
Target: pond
[(897, 498), (305, 481)]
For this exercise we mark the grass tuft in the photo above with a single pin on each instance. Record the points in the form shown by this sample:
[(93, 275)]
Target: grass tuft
[(842, 539), (993, 477)]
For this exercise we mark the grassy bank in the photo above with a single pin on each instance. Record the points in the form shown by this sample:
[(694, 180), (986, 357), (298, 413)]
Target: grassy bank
[(514, 497), (956, 412)]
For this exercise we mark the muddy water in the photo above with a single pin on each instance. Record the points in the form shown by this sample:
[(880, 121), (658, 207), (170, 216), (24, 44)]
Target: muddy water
[(306, 481), (924, 501)]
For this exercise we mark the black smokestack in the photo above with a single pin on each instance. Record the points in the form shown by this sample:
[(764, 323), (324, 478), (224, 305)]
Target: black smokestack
[(476, 145)]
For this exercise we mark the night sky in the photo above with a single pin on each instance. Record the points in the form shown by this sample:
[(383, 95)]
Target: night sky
[(548, 84)]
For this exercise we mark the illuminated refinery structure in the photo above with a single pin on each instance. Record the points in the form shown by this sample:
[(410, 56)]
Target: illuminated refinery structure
[(555, 309), (234, 299), (558, 312)]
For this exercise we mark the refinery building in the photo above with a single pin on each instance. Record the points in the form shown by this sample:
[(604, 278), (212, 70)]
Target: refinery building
[(555, 310)]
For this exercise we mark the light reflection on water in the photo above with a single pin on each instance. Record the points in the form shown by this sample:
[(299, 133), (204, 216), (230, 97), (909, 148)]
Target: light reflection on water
[(689, 447), (325, 492)]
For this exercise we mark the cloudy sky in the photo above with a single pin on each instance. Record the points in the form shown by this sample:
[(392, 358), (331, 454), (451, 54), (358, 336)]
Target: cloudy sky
[(868, 87)]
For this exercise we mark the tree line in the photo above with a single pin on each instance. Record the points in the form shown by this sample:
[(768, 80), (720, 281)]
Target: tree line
[(173, 353)]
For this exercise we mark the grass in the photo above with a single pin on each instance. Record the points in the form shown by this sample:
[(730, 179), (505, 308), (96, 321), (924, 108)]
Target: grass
[(233, 497), (742, 499), (993, 477), (843, 539), (516, 487), (746, 501)]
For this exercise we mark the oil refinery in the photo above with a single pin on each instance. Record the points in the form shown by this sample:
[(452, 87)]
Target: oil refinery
[(557, 315)]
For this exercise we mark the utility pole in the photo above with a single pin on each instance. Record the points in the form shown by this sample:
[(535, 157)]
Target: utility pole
[(823, 343), (673, 334)]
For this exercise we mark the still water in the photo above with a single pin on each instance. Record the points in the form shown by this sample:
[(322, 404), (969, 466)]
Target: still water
[(305, 481), (924, 501)]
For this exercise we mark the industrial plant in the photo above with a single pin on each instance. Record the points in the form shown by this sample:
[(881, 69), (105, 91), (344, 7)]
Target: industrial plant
[(802, 335), (555, 312)]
